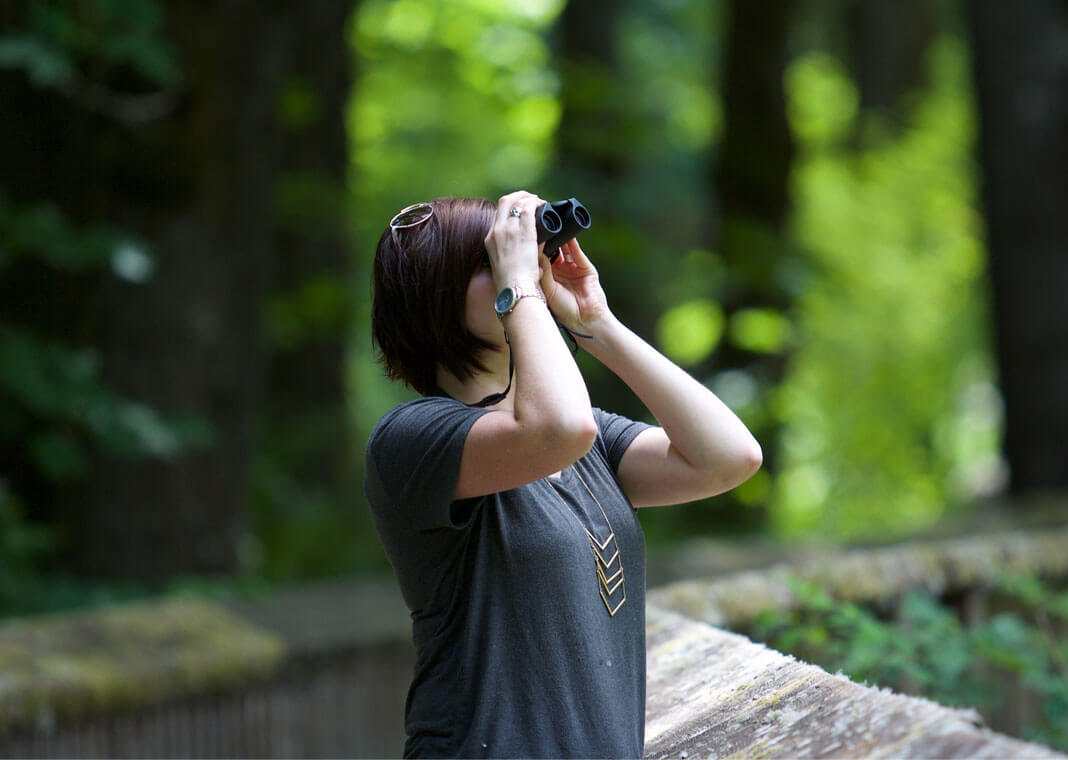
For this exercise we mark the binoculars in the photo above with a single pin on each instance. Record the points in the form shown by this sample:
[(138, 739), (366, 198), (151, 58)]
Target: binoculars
[(558, 222)]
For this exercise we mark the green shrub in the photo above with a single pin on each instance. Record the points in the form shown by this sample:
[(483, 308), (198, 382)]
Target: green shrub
[(925, 648)]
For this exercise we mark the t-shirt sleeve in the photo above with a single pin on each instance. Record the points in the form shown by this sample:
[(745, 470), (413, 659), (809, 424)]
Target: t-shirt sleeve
[(616, 433), (413, 460)]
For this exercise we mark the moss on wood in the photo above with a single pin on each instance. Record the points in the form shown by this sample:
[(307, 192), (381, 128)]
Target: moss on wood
[(870, 576), (67, 666)]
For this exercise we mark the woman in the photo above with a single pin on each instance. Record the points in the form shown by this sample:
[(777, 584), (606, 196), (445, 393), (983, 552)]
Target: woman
[(506, 503)]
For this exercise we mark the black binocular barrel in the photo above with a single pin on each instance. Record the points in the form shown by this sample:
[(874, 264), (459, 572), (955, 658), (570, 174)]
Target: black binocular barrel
[(560, 221), (547, 222)]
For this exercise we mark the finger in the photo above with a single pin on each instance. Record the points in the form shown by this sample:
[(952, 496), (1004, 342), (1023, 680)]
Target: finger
[(527, 207), (504, 204), (579, 256), (529, 203), (545, 269), (511, 207), (564, 256), (507, 202), (499, 227)]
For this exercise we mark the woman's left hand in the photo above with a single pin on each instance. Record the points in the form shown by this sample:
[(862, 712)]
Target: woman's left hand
[(573, 289)]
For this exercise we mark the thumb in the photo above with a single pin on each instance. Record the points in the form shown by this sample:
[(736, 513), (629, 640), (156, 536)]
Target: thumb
[(545, 280)]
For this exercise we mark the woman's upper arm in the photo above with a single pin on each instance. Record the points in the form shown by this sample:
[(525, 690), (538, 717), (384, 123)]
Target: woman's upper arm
[(653, 473), (502, 452)]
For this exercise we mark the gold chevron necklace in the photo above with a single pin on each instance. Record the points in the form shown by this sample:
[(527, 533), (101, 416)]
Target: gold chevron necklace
[(608, 582)]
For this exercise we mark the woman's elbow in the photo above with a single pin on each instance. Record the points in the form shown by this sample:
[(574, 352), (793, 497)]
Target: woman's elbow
[(752, 458), (731, 471), (570, 438), (580, 434), (749, 460)]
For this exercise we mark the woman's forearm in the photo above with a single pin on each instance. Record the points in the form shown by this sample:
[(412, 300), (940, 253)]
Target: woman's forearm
[(550, 393), (701, 428)]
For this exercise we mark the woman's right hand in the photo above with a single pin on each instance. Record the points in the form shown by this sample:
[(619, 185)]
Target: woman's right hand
[(512, 242)]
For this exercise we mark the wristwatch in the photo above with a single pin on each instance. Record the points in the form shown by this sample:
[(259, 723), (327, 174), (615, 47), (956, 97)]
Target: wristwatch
[(509, 297)]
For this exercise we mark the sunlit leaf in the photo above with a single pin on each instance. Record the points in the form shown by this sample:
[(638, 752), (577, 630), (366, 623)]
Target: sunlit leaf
[(823, 100), (760, 330), (690, 331)]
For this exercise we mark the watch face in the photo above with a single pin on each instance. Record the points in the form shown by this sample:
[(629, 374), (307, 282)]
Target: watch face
[(504, 301)]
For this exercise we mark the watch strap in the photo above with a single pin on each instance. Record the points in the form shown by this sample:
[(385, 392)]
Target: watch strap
[(519, 291)]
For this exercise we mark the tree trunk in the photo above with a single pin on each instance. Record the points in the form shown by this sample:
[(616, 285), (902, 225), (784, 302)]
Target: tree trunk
[(753, 164), (586, 34), (305, 378), (190, 338), (198, 189), (887, 47), (752, 169), (305, 396), (593, 162), (1021, 75)]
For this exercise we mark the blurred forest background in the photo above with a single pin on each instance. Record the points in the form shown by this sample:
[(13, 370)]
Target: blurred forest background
[(848, 217)]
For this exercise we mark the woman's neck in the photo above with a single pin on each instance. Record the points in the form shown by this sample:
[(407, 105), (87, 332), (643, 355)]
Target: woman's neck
[(482, 384)]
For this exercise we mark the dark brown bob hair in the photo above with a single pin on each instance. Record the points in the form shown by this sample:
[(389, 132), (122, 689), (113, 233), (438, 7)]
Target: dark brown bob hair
[(420, 293)]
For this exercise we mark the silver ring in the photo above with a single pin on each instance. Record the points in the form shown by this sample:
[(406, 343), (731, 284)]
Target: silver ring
[(516, 211)]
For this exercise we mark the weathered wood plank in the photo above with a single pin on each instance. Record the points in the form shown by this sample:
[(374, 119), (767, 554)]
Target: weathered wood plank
[(717, 694)]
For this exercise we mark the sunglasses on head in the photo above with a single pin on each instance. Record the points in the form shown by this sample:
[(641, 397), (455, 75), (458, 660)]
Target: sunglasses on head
[(409, 216)]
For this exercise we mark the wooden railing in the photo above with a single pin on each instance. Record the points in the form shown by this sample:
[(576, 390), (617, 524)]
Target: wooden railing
[(717, 694), (313, 672), (322, 671)]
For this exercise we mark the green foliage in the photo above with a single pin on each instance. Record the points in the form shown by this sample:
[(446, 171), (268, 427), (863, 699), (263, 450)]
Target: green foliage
[(22, 546), (57, 407), (888, 406), (301, 520), (317, 308), (63, 40), (762, 330), (298, 104), (33, 592), (299, 525), (455, 98), (58, 400), (690, 331), (41, 232), (926, 649)]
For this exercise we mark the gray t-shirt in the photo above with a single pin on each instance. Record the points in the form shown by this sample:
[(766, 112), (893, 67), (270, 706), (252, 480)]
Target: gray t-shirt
[(517, 655)]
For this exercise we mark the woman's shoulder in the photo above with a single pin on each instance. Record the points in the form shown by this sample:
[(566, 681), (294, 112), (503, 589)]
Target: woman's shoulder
[(417, 416), (615, 433)]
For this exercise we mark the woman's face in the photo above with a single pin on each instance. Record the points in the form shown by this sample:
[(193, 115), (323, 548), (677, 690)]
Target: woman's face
[(479, 314)]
